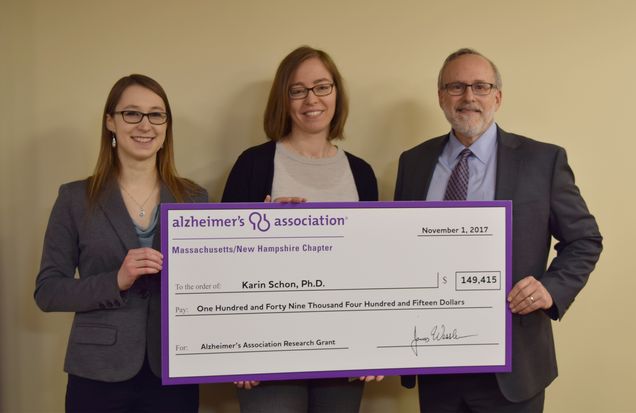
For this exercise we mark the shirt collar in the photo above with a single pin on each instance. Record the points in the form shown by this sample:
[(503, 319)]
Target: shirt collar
[(482, 148)]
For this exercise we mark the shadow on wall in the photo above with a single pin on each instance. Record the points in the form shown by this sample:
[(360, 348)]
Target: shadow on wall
[(218, 398), (399, 127), (59, 156), (388, 396), (218, 146)]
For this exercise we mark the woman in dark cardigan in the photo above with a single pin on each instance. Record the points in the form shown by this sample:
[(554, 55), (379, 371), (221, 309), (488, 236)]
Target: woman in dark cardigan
[(306, 112)]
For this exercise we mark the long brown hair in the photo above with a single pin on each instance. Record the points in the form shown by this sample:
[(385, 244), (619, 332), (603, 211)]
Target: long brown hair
[(108, 166), (276, 122)]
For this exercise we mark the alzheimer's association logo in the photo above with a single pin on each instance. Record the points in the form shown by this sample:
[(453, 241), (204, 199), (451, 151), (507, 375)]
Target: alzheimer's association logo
[(259, 221)]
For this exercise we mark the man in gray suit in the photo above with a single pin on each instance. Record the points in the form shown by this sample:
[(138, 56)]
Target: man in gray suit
[(478, 160)]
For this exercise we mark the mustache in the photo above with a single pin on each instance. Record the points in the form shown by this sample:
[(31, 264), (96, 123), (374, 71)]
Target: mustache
[(468, 107)]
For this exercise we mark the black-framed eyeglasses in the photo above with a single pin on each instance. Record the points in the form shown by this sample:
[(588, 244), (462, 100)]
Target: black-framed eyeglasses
[(134, 116), (459, 88), (301, 92)]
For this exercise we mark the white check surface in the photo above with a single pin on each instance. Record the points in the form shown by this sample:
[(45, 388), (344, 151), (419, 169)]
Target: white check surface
[(359, 289)]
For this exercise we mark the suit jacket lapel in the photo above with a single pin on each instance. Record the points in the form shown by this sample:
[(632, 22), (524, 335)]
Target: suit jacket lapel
[(115, 210), (508, 164), (425, 174)]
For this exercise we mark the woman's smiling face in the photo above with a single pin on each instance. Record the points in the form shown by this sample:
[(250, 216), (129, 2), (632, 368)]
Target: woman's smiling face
[(312, 114), (137, 141)]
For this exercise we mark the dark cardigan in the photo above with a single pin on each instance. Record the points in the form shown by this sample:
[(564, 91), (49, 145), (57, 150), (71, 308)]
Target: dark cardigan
[(252, 175)]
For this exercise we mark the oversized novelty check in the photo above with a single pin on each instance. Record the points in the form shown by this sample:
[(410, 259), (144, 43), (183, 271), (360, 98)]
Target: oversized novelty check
[(274, 291)]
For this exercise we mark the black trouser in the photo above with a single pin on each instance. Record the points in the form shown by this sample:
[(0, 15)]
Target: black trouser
[(464, 393), (142, 393)]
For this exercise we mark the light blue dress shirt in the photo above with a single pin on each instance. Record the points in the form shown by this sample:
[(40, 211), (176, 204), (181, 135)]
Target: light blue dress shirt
[(482, 167)]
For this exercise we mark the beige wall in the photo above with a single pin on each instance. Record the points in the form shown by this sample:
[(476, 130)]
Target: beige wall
[(568, 79)]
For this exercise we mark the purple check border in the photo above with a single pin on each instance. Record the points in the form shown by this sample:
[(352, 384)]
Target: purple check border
[(166, 379)]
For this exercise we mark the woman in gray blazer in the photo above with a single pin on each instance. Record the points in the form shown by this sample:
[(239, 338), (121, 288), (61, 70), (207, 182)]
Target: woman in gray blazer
[(106, 229)]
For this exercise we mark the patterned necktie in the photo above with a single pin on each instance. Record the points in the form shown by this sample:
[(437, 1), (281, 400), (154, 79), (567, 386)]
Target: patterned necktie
[(457, 187)]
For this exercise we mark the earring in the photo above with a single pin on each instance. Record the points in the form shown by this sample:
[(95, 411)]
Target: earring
[(114, 142)]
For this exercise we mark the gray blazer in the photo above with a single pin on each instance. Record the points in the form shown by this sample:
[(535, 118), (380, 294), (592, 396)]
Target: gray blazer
[(546, 203), (112, 330)]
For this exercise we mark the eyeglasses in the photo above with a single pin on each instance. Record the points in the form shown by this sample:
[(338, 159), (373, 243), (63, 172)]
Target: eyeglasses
[(301, 92), (459, 88), (134, 116)]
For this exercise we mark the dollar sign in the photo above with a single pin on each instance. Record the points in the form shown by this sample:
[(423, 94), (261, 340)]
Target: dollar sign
[(444, 280)]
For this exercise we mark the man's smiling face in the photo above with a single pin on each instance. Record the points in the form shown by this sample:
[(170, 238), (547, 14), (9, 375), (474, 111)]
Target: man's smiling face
[(469, 115)]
